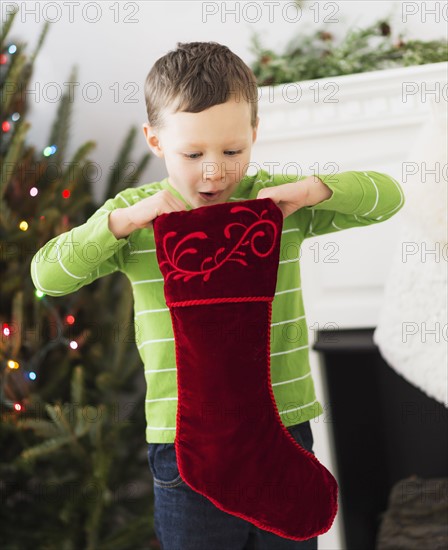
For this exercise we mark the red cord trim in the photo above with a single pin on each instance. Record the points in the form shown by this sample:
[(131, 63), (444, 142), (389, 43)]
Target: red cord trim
[(206, 301)]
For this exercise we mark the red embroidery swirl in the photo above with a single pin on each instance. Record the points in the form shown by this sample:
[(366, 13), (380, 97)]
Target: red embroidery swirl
[(177, 253)]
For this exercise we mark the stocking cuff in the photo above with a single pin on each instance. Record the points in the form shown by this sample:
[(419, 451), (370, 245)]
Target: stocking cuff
[(240, 240)]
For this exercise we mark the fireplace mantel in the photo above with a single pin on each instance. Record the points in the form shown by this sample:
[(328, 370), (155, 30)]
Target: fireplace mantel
[(372, 125), (369, 127)]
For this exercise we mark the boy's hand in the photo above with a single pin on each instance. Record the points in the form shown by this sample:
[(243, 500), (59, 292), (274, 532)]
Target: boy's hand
[(123, 221), (289, 197), (143, 212)]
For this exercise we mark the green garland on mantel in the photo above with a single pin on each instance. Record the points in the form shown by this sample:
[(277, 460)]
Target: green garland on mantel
[(362, 50)]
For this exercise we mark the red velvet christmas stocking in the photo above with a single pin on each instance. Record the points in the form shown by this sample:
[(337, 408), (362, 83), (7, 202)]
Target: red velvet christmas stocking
[(219, 265)]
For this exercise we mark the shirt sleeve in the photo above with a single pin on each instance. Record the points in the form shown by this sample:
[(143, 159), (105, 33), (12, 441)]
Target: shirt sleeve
[(358, 199), (80, 256)]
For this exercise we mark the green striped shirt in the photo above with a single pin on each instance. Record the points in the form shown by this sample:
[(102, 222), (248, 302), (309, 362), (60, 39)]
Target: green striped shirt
[(358, 199)]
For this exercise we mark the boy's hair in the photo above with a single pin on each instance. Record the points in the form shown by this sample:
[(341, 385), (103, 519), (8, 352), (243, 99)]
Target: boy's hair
[(196, 76)]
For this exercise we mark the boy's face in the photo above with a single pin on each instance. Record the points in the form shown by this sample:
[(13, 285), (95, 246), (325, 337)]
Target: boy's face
[(207, 151)]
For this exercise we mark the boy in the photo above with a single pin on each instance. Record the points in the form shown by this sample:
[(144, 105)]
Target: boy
[(202, 112)]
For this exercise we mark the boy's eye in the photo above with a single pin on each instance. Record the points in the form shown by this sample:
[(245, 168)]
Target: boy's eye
[(194, 156)]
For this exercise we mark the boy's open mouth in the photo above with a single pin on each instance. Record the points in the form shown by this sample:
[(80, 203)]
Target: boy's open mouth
[(210, 196)]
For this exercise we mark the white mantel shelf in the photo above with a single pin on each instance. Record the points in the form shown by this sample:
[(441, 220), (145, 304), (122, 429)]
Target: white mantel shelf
[(348, 103)]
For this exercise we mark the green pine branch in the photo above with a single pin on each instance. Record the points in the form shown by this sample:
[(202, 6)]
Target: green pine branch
[(52, 203), (12, 84), (9, 163), (119, 179), (59, 134), (77, 390), (318, 55), (77, 164), (6, 28), (44, 429), (40, 42), (130, 181), (45, 448)]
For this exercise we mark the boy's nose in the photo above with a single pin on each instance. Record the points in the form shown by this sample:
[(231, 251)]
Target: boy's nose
[(214, 171)]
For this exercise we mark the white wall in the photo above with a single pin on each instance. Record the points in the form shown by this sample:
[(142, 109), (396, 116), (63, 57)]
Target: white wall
[(109, 52)]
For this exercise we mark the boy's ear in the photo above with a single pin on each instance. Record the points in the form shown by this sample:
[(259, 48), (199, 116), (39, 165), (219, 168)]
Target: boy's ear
[(152, 140)]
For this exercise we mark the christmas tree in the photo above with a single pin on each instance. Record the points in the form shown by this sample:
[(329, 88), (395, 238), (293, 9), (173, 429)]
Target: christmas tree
[(73, 463)]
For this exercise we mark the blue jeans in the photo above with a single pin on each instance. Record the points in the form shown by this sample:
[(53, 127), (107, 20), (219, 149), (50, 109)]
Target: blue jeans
[(186, 520)]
